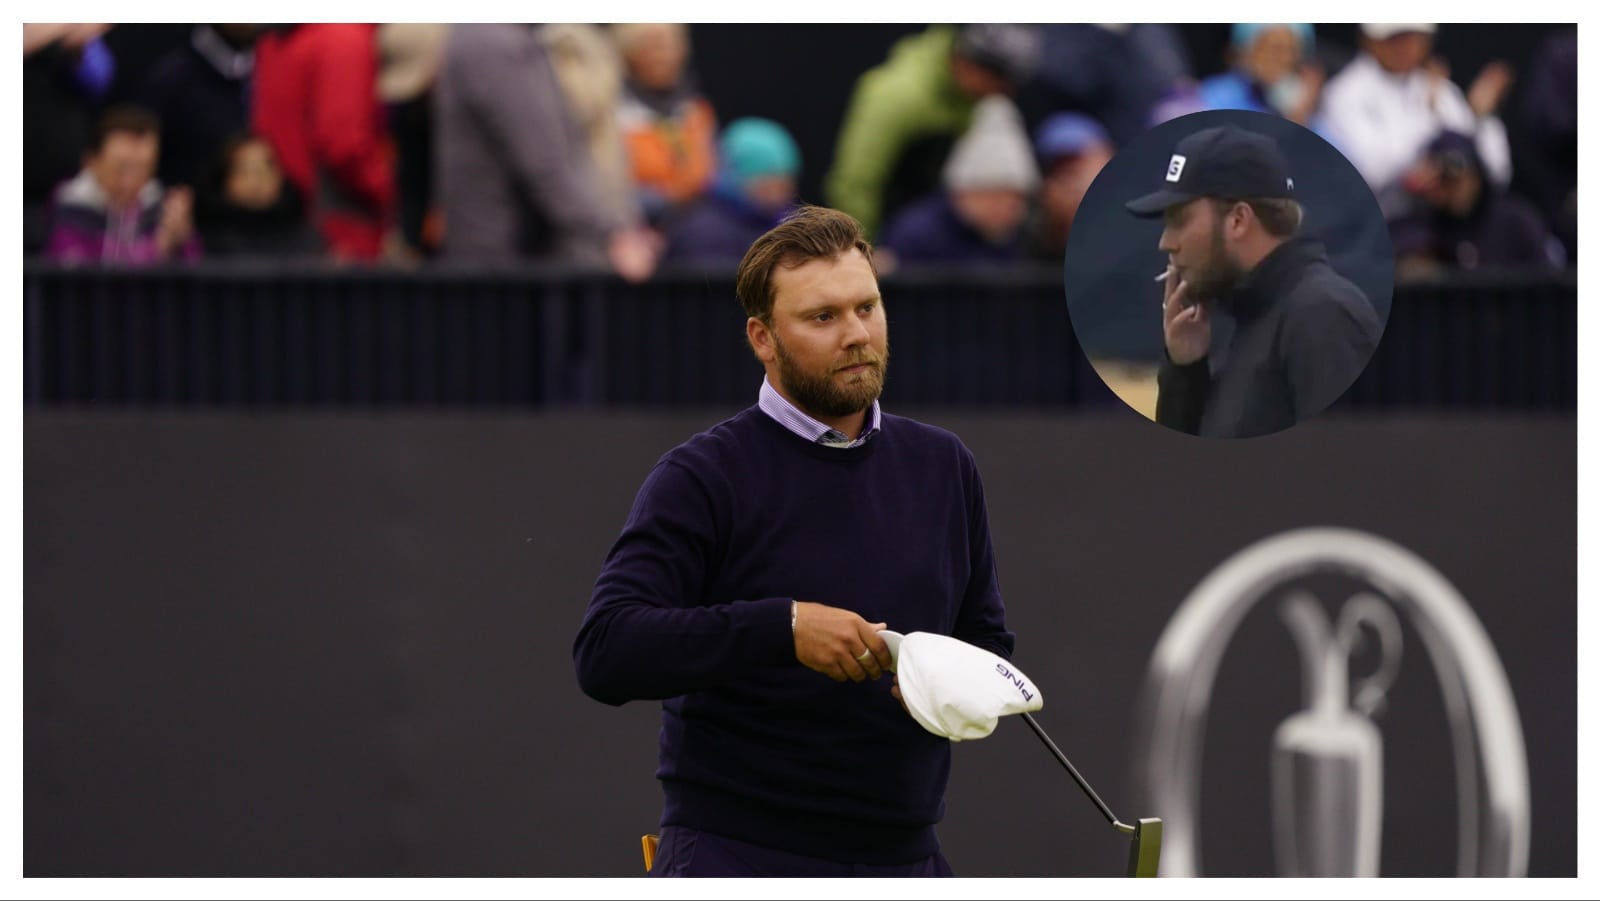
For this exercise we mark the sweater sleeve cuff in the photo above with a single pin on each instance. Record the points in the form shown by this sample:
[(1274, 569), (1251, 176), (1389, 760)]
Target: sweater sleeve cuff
[(771, 629)]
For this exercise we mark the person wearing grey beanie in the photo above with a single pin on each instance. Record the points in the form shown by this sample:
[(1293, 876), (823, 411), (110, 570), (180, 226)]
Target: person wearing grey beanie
[(905, 114), (988, 183)]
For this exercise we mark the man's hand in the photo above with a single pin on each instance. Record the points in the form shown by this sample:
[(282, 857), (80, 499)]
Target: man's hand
[(634, 252), (1489, 89), (839, 643), (1311, 79), (1187, 328), (895, 690), (396, 251), (177, 220)]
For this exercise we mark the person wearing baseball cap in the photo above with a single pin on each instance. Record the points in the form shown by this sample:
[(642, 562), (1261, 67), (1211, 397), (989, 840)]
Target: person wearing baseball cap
[(1072, 149), (1274, 69), (1304, 332), (1383, 108)]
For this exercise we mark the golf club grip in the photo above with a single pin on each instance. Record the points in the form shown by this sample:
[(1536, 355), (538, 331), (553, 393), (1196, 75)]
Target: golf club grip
[(1039, 731)]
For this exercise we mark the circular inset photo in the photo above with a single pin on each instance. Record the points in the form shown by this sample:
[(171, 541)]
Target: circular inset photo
[(1229, 274)]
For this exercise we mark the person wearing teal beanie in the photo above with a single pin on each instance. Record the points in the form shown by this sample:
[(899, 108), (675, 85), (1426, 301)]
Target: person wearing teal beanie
[(1274, 70), (755, 187)]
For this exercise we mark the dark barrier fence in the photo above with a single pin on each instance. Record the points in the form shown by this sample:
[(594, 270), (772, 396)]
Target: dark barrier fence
[(257, 335), (1502, 340)]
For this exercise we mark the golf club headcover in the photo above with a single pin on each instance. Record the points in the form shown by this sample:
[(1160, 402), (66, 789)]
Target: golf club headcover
[(957, 690)]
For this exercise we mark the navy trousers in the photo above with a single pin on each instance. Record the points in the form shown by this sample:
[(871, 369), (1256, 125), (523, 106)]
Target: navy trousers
[(690, 852)]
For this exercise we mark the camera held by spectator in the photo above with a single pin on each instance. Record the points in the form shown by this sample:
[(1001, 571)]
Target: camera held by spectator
[(1465, 221), (1386, 105)]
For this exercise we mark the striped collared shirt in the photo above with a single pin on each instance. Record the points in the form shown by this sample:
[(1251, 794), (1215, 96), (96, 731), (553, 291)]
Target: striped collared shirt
[(792, 418)]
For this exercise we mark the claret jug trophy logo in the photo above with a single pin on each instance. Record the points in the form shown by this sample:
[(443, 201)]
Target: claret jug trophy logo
[(1326, 771)]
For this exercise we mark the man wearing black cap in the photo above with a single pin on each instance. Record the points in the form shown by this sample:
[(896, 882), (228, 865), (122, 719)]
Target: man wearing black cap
[(1304, 331)]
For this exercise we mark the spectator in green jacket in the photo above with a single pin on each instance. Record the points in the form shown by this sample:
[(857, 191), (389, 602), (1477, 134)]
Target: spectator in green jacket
[(908, 111)]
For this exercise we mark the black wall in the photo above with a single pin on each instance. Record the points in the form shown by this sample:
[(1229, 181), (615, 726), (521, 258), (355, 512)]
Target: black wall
[(340, 645)]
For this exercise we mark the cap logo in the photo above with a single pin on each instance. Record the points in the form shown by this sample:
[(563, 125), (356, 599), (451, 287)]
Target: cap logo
[(1175, 168), (1291, 183)]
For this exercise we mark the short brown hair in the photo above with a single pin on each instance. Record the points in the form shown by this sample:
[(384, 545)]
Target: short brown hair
[(1280, 216), (128, 118), (808, 233)]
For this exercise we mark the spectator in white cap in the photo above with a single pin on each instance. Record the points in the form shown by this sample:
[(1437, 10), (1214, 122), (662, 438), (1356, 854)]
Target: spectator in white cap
[(977, 217), (1393, 98)]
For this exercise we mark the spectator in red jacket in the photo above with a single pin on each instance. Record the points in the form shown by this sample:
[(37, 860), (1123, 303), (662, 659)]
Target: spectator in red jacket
[(316, 101)]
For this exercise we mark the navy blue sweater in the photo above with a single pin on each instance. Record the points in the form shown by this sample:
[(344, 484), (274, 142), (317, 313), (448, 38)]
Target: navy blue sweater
[(692, 606)]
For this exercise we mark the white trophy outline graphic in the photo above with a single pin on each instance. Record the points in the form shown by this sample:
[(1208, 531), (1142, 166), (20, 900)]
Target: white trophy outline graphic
[(1489, 752), (1327, 757)]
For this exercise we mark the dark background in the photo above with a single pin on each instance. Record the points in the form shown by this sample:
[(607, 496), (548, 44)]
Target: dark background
[(340, 644), (1113, 259)]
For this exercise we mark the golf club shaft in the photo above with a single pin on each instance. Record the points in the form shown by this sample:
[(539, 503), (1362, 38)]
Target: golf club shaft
[(1110, 817)]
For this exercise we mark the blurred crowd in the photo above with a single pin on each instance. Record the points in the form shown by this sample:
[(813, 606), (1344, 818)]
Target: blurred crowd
[(596, 145)]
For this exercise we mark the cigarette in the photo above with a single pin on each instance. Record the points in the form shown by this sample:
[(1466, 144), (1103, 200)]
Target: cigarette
[(1163, 276)]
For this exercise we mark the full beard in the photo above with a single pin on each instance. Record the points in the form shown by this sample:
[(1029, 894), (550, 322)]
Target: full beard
[(822, 395), (1210, 283)]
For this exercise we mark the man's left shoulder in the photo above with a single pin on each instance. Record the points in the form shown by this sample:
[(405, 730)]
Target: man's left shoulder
[(1322, 289), (915, 427), (1326, 302), (915, 434)]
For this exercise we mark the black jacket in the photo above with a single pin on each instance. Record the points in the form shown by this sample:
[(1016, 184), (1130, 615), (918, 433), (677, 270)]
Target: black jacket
[(1304, 333), (229, 230), (1501, 229), (200, 107)]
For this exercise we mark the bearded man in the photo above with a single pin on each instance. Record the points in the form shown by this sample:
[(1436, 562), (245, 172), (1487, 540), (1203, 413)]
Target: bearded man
[(758, 564), (1304, 332)]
